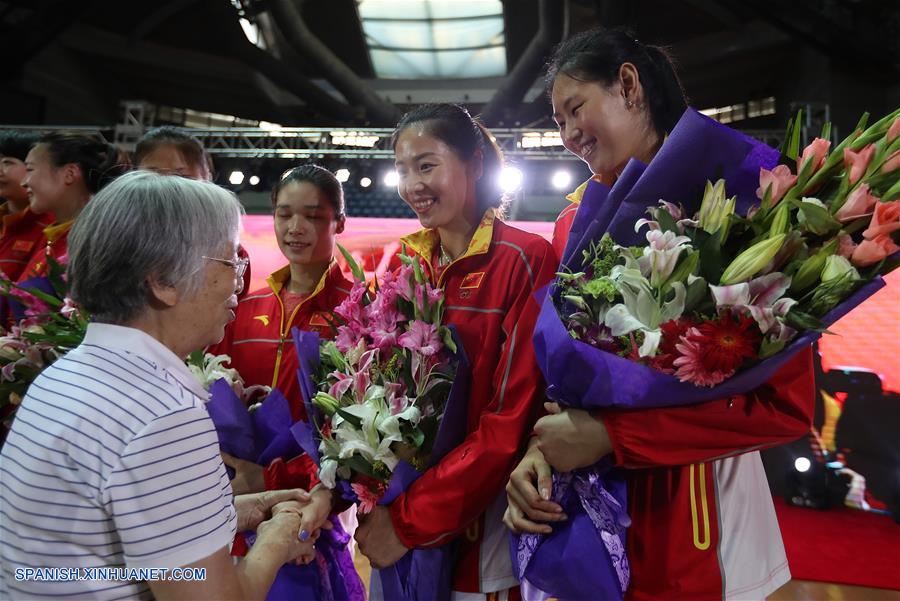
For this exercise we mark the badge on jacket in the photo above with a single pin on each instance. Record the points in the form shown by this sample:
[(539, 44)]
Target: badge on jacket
[(473, 280), (23, 246)]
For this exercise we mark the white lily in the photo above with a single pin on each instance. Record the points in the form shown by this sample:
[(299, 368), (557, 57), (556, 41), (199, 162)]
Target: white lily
[(640, 309)]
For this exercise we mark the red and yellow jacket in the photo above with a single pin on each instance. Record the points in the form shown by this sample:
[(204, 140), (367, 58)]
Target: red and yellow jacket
[(703, 525), (54, 243), (21, 235), (259, 339), (488, 292)]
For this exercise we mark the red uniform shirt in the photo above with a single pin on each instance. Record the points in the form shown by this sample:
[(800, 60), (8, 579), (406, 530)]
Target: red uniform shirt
[(55, 244), (261, 348), (22, 234), (259, 339), (488, 292), (703, 525)]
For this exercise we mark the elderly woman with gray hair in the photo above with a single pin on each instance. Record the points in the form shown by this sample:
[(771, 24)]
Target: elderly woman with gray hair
[(111, 482)]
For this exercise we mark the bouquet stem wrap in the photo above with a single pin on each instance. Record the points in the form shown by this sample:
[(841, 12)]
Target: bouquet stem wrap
[(421, 574), (262, 436), (594, 500)]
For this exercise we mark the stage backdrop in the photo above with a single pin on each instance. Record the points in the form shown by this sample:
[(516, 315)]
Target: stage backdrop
[(868, 338)]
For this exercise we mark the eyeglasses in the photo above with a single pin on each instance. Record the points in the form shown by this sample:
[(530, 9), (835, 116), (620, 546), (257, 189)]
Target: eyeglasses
[(239, 266)]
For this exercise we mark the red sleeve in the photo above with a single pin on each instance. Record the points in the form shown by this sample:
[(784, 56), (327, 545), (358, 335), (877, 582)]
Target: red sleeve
[(297, 472), (460, 487), (778, 412)]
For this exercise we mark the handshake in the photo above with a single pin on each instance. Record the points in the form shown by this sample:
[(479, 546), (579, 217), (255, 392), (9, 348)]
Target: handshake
[(287, 522)]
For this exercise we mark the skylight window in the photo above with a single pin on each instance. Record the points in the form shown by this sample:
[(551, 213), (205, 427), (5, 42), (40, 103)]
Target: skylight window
[(411, 39)]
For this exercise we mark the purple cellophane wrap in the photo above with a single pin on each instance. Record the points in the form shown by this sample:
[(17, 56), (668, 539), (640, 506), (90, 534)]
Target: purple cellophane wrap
[(262, 436), (578, 375), (421, 574), (11, 307)]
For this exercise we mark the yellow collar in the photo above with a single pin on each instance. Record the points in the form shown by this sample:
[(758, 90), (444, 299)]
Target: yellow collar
[(425, 241), (278, 279), (58, 230), (575, 197)]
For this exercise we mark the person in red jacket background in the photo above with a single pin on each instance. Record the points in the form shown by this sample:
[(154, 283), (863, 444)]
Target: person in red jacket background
[(22, 230), (308, 207), (63, 172), (703, 522), (448, 169), (172, 151)]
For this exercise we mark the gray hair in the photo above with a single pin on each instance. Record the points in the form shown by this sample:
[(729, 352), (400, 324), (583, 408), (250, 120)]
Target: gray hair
[(145, 224)]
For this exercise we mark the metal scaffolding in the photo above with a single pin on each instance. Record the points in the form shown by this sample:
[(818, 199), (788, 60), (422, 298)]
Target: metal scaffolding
[(312, 142)]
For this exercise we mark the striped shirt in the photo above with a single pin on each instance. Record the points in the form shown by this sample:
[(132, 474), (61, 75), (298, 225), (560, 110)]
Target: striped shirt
[(112, 461)]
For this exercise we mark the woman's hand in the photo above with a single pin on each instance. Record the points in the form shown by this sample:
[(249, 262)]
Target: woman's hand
[(571, 439), (528, 493), (253, 509), (248, 476), (315, 513), (378, 540), (280, 534)]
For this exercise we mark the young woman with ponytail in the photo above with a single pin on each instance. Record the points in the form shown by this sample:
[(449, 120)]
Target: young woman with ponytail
[(63, 172), (703, 523), (448, 167)]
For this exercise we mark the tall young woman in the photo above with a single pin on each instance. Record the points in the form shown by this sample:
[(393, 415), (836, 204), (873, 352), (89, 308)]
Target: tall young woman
[(172, 151), (448, 168), (308, 205), (703, 524), (63, 172)]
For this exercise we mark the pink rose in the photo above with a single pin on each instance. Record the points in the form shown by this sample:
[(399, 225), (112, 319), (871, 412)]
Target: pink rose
[(817, 150), (892, 163), (857, 162), (885, 219), (859, 204), (780, 179), (893, 131), (870, 252)]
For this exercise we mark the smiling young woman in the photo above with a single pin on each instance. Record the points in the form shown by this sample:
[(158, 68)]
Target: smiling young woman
[(448, 169), (703, 523), (308, 207)]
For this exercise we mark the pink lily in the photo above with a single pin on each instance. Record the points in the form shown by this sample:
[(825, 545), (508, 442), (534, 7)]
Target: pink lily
[(762, 298), (779, 180), (859, 204), (857, 162)]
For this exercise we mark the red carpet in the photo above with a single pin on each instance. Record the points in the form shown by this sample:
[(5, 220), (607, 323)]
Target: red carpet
[(841, 545)]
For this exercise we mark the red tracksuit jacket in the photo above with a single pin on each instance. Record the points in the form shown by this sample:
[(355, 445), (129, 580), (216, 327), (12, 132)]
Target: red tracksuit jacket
[(53, 243), (22, 235), (261, 349), (488, 293), (703, 524)]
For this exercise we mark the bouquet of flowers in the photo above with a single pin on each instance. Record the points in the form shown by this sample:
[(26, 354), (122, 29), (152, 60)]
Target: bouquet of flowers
[(261, 432), (386, 400), (253, 431), (48, 329), (727, 282)]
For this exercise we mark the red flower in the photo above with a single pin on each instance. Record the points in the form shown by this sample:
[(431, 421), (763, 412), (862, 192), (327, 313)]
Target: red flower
[(714, 350), (666, 353), (369, 491)]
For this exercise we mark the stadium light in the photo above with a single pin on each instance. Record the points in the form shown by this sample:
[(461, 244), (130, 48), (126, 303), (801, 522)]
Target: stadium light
[(391, 178), (561, 180), (342, 175), (510, 179), (236, 178), (365, 182)]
